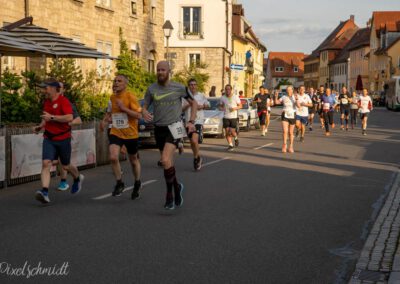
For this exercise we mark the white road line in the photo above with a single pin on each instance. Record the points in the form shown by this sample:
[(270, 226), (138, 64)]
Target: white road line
[(126, 189), (216, 161), (266, 145)]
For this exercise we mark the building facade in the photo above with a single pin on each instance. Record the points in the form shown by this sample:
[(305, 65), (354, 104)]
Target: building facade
[(202, 33), (285, 66), (311, 70), (358, 50), (96, 24)]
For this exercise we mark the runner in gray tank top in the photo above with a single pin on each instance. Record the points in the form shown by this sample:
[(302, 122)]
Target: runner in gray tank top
[(166, 98)]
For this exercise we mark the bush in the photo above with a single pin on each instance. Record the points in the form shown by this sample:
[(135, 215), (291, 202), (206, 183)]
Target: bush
[(196, 72)]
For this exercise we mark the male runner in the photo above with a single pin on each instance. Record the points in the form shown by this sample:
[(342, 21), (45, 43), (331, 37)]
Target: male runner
[(344, 101), (303, 102)]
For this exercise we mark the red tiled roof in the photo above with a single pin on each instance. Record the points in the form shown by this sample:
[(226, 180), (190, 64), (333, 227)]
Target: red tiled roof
[(287, 60), (360, 39), (386, 20)]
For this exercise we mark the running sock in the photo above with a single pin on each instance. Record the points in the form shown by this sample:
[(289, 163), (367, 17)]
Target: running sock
[(77, 179), (45, 189), (236, 138), (63, 180), (231, 144), (170, 179)]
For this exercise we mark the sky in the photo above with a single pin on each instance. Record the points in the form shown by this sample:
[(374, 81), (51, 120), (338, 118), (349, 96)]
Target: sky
[(295, 25)]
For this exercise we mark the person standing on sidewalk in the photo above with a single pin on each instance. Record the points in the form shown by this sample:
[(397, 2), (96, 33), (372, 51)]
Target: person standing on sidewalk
[(230, 104), (125, 112), (57, 114), (344, 100), (166, 97), (303, 102), (328, 103), (288, 118), (353, 109), (263, 102), (202, 103), (365, 105)]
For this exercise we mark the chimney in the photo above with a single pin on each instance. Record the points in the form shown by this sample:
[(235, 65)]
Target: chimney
[(352, 18)]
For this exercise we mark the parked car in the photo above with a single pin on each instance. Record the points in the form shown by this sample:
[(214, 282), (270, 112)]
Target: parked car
[(248, 115), (146, 129), (213, 120)]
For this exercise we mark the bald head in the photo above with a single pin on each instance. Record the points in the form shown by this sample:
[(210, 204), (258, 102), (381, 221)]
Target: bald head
[(163, 72)]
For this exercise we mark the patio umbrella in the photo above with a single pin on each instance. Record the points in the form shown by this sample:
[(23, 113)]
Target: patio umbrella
[(359, 84)]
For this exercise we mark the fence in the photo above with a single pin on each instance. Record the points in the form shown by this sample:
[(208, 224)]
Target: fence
[(6, 154)]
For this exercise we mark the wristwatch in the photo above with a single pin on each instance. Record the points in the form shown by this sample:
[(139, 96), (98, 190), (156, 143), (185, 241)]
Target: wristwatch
[(52, 117)]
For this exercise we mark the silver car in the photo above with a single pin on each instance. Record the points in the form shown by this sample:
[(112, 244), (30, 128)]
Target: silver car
[(213, 119)]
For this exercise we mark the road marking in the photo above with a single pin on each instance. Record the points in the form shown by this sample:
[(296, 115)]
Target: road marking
[(216, 161), (266, 145), (126, 189)]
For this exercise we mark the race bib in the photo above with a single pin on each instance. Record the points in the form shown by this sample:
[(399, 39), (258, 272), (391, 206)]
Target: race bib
[(120, 120), (289, 114), (177, 130), (345, 101), (326, 106)]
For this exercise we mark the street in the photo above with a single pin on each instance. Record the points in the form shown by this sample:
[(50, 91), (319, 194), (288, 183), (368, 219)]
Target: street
[(254, 215)]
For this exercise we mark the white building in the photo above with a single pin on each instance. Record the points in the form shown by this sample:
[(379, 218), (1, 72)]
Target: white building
[(202, 33)]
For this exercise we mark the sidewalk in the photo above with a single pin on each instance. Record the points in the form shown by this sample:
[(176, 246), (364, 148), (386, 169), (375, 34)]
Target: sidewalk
[(379, 261)]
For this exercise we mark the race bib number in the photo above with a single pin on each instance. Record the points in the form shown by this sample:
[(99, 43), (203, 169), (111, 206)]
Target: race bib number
[(326, 106), (345, 101), (120, 120), (177, 130), (289, 114)]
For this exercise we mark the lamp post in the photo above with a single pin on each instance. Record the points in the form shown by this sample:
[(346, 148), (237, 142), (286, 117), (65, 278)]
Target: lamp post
[(167, 28)]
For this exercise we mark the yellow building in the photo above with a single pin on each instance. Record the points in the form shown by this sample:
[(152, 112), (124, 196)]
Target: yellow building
[(384, 49), (247, 61), (96, 24)]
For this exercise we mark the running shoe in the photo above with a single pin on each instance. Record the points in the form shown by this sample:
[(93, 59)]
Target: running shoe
[(42, 196), (236, 142), (327, 134), (169, 202), (180, 147), (77, 185), (63, 186), (310, 128), (118, 189), (136, 190), (230, 148), (178, 195), (342, 128), (266, 130), (364, 132), (197, 163)]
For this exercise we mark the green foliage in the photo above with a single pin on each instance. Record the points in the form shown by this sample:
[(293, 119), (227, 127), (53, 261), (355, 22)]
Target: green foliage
[(139, 79), (196, 72)]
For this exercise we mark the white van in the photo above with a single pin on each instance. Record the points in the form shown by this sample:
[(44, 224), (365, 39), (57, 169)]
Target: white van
[(392, 100)]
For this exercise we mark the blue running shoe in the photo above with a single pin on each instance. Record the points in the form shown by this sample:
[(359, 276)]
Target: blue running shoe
[(169, 202), (42, 196), (77, 185), (178, 195), (63, 186)]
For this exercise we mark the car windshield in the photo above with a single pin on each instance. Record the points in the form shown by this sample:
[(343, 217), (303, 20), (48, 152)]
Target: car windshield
[(214, 104), (245, 104)]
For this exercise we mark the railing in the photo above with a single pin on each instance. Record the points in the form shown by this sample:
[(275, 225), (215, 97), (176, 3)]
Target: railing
[(191, 30)]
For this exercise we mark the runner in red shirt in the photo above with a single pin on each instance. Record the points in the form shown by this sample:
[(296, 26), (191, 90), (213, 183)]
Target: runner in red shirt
[(57, 114)]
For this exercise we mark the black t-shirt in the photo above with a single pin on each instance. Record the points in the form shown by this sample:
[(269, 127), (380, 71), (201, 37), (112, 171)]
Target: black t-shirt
[(262, 106), (344, 100), (314, 98)]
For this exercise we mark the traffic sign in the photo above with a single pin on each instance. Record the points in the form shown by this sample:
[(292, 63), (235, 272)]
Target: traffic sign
[(237, 67)]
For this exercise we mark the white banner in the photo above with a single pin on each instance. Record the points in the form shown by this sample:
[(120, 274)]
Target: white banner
[(83, 147), (27, 152), (2, 158)]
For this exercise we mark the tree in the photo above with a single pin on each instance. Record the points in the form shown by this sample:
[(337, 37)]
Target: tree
[(194, 71), (138, 78), (283, 82)]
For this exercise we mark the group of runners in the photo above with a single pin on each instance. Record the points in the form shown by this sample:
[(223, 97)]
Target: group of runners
[(169, 100)]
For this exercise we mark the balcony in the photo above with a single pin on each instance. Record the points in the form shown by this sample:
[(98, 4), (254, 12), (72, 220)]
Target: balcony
[(191, 30)]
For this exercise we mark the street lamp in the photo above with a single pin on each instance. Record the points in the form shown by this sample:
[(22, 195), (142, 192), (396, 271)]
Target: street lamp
[(167, 28)]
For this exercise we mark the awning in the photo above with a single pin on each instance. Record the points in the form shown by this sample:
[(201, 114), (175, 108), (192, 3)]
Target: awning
[(13, 45), (60, 46)]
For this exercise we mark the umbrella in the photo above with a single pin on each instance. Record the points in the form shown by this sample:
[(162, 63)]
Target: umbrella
[(359, 84)]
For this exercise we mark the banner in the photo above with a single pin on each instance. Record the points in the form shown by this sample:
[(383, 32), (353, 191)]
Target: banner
[(83, 147), (2, 158), (26, 157)]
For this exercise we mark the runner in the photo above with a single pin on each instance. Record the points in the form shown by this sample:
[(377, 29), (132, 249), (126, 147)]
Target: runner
[(303, 103), (166, 97), (288, 118), (320, 93), (230, 104), (328, 108), (195, 137), (312, 110), (125, 112), (262, 99), (354, 109), (57, 113), (269, 104), (344, 100), (365, 104)]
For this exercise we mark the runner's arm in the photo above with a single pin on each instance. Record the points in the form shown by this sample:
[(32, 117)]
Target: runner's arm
[(57, 118)]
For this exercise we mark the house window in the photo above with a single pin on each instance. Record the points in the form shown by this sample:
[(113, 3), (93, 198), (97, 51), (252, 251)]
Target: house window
[(296, 69), (104, 66), (278, 69), (153, 14), (151, 63), (146, 6), (192, 20), (104, 3), (134, 8), (194, 59)]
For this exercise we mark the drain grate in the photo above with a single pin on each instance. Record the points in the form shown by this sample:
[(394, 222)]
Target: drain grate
[(369, 275)]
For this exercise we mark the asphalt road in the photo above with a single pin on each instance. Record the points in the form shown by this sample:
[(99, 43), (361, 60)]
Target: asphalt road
[(254, 215)]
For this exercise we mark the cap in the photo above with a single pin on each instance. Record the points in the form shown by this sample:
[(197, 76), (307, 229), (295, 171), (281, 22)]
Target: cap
[(49, 82)]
